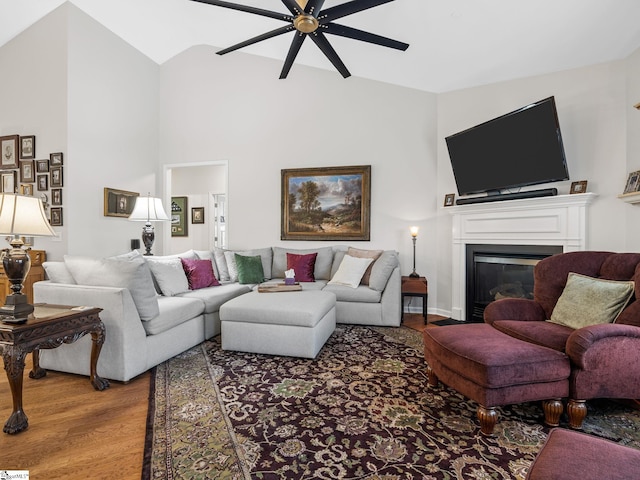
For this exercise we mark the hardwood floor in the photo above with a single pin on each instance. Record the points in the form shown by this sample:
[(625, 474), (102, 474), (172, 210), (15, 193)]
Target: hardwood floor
[(76, 432)]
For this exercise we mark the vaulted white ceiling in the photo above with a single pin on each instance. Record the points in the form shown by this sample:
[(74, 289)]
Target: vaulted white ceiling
[(453, 43)]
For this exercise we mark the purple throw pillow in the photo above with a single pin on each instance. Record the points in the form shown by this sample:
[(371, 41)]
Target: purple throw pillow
[(199, 273), (303, 265)]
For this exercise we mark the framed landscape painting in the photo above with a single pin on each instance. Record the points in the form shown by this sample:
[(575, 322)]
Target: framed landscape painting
[(329, 203)]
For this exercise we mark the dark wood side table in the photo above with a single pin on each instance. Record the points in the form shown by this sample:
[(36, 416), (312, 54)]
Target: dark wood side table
[(415, 287), (49, 326)]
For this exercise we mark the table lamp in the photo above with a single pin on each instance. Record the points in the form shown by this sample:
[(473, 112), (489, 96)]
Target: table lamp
[(148, 209), (19, 216), (414, 235)]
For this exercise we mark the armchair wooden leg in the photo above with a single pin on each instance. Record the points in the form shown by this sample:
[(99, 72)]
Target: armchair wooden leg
[(488, 417), (577, 411), (552, 411), (432, 377)]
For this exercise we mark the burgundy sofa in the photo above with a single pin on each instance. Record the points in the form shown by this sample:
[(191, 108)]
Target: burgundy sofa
[(604, 358)]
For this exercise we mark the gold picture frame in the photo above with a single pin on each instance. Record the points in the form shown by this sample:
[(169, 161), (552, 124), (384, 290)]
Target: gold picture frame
[(327, 203), (118, 203)]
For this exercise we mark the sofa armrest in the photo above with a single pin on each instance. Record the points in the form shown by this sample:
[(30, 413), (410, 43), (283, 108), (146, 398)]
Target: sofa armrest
[(391, 300), (125, 347), (597, 346), (514, 309)]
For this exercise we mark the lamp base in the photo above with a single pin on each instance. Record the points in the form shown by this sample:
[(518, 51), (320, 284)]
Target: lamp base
[(16, 309), (414, 275), (148, 236)]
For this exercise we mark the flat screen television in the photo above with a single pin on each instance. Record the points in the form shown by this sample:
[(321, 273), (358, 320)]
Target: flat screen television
[(515, 150)]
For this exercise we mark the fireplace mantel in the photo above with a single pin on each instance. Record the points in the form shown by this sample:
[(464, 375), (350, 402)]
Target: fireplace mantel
[(559, 220)]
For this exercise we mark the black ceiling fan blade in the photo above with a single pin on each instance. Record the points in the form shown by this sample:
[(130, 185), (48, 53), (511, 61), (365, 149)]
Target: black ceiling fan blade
[(259, 38), (248, 9), (293, 7), (293, 53), (354, 33), (348, 8), (313, 7), (324, 45)]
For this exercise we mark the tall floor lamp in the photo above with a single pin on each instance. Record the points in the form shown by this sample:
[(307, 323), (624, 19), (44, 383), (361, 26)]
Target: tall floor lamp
[(19, 216), (414, 235), (148, 209)]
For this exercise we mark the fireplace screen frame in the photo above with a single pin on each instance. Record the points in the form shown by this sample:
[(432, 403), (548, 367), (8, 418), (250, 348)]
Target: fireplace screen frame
[(530, 254)]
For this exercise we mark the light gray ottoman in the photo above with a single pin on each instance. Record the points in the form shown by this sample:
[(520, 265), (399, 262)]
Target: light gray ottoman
[(295, 324)]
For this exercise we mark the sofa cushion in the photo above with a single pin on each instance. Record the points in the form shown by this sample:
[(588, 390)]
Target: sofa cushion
[(374, 254), (169, 275), (350, 272), (266, 255), (213, 297), (361, 293), (382, 269), (126, 271), (590, 301), (173, 311), (58, 272), (322, 270), (303, 266), (199, 273), (249, 269)]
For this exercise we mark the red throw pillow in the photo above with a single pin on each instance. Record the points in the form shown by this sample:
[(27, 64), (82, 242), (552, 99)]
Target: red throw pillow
[(303, 265), (199, 273)]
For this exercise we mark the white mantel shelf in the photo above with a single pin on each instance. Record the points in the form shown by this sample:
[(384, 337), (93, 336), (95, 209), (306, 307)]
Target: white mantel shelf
[(557, 220)]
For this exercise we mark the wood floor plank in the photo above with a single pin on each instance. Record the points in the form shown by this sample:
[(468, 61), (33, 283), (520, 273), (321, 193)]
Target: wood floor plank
[(76, 432)]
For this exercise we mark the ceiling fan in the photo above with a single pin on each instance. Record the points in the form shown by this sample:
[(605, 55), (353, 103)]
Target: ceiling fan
[(307, 19)]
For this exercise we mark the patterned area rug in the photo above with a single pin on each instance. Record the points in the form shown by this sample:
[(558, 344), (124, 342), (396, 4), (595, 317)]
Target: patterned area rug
[(361, 409)]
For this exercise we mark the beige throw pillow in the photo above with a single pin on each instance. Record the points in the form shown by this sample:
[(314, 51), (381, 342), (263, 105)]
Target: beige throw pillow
[(590, 301), (350, 271), (358, 253)]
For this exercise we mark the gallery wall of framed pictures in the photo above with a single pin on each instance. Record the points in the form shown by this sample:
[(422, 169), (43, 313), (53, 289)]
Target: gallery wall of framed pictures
[(24, 172)]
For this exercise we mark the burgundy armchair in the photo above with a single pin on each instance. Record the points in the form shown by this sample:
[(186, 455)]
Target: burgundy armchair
[(605, 358)]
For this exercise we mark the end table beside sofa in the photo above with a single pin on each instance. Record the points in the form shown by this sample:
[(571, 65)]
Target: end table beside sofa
[(145, 328)]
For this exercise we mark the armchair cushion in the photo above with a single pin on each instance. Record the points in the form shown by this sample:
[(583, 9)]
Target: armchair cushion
[(547, 334), (591, 301)]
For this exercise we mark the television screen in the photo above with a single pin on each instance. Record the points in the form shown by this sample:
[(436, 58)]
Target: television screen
[(521, 148)]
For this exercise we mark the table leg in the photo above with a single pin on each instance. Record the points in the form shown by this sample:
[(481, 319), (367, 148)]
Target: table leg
[(37, 371), (97, 337), (424, 308), (13, 357)]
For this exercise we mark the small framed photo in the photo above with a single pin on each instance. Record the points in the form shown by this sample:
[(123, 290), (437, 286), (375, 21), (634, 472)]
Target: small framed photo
[(578, 187), (43, 182), (448, 199), (9, 151), (28, 241), (56, 217), (28, 147), (56, 196), (42, 166), (197, 215), (56, 176), (27, 171), (55, 159), (632, 182), (26, 189), (8, 181)]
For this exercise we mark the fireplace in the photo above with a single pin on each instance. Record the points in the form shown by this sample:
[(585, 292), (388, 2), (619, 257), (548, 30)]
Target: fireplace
[(500, 271)]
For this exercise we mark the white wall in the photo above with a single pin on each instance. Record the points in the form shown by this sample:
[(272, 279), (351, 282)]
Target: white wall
[(33, 97), (235, 108), (591, 106), (113, 135), (632, 217)]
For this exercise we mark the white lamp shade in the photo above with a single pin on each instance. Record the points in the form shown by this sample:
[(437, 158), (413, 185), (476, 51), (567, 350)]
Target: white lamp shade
[(22, 215), (414, 231), (148, 209)]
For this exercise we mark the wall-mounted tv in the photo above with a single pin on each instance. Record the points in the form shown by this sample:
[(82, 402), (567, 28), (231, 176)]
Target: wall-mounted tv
[(520, 148)]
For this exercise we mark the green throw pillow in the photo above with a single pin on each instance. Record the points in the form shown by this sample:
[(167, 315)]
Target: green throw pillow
[(589, 301), (249, 269)]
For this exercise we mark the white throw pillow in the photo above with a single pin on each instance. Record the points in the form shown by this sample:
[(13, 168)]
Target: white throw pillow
[(169, 275), (351, 271), (58, 272), (127, 271)]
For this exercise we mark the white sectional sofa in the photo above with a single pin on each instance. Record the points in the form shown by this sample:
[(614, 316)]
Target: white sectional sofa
[(151, 314)]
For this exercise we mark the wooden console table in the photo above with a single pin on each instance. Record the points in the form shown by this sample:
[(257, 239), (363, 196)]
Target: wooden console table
[(49, 326)]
